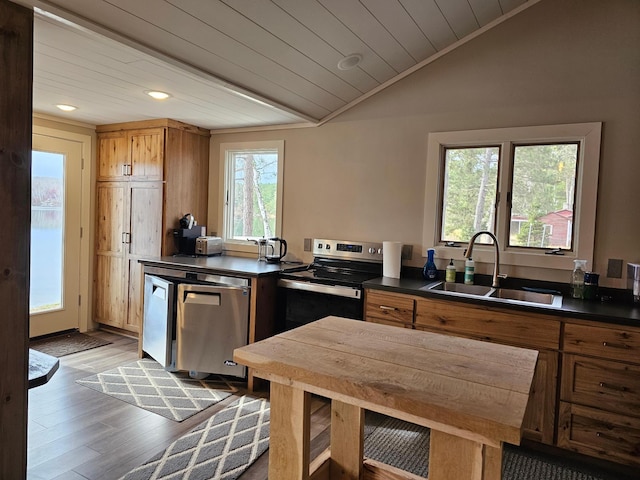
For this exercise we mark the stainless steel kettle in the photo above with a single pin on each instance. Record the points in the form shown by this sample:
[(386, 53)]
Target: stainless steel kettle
[(279, 249)]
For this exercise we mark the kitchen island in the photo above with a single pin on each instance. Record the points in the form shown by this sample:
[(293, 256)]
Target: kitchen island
[(472, 395)]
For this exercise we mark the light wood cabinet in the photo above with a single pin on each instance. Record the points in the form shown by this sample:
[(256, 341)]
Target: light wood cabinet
[(600, 392), (149, 175), (389, 308)]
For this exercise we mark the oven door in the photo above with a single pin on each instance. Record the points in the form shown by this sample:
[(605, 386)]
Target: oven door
[(302, 302)]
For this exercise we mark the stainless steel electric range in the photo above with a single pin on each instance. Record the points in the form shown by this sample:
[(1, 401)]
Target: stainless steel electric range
[(331, 285)]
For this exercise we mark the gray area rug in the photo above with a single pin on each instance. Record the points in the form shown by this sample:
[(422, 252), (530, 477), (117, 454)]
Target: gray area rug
[(406, 446), (146, 384), (66, 344), (221, 448)]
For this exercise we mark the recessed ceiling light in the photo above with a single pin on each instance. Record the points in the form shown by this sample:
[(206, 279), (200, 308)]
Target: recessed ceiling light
[(66, 108), (350, 61), (158, 95)]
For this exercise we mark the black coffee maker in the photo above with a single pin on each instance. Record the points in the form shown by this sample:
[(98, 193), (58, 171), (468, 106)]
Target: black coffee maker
[(185, 236)]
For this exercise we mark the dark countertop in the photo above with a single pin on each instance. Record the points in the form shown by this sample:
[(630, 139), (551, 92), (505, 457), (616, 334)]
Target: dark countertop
[(609, 312), (238, 266), (41, 367)]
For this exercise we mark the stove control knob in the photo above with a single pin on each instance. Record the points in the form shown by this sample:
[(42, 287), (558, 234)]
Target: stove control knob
[(379, 251), (372, 250)]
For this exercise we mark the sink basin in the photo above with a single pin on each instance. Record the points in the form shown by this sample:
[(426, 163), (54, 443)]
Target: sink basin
[(476, 290), (527, 297), (522, 297)]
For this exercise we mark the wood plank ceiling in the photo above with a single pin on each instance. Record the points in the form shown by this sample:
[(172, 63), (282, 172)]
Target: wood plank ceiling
[(238, 63)]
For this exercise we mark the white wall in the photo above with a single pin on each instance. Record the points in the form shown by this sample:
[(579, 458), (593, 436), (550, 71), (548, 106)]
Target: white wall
[(361, 176)]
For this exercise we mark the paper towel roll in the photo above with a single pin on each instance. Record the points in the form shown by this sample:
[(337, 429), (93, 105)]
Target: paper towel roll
[(391, 259)]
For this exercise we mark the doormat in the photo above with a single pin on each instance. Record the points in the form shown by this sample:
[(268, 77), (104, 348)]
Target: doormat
[(66, 344), (221, 448), (146, 384), (406, 446)]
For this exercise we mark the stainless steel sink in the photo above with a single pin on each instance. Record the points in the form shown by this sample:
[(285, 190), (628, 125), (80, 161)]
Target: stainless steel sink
[(476, 290), (527, 297), (522, 297)]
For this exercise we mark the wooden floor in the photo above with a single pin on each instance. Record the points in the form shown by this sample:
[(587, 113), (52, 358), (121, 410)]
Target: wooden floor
[(77, 433)]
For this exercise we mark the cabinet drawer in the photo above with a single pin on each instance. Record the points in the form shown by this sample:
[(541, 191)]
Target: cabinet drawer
[(604, 384), (388, 308), (606, 342), (600, 434), (477, 321)]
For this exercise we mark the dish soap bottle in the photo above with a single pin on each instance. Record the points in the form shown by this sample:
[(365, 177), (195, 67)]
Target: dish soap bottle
[(450, 274), (469, 267), (577, 278), (430, 272)]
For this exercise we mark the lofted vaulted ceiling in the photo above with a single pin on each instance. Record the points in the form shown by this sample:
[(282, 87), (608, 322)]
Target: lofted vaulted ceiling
[(239, 63)]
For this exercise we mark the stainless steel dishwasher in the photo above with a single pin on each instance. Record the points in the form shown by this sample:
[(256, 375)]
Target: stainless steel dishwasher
[(212, 321)]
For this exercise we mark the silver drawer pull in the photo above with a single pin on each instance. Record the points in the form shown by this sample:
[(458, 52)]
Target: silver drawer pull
[(617, 388), (383, 307), (615, 345)]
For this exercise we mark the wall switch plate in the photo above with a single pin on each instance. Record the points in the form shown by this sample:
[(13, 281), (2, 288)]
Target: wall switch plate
[(307, 244), (407, 252), (614, 268)]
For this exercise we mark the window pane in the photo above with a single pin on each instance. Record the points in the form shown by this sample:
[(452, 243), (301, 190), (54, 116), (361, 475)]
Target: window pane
[(544, 182), (469, 193), (254, 190), (47, 227)]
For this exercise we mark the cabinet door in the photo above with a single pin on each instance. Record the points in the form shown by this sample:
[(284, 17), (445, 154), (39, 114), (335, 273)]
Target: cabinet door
[(113, 156), (598, 433), (145, 218), (110, 277), (147, 154), (539, 417)]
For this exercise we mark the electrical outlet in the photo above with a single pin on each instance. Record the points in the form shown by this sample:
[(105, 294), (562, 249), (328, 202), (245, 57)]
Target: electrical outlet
[(307, 245), (614, 268)]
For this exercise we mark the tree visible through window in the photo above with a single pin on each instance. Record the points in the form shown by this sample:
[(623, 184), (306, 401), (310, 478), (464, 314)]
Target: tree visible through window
[(253, 187)]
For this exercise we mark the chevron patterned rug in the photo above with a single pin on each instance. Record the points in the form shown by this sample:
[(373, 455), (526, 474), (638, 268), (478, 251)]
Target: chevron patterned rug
[(145, 384), (221, 448)]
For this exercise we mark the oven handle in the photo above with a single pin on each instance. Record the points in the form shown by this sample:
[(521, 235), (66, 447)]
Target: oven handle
[(338, 290)]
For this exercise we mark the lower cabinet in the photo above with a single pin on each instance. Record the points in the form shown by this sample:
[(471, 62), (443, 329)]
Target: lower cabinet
[(599, 411), (389, 308)]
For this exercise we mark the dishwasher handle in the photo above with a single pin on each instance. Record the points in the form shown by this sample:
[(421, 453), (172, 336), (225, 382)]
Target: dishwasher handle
[(202, 298)]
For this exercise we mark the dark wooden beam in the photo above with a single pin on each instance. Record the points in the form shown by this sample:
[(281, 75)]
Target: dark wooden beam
[(16, 78)]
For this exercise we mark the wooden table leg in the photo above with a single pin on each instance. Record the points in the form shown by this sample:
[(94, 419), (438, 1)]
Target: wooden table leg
[(289, 433), (347, 441), (451, 457)]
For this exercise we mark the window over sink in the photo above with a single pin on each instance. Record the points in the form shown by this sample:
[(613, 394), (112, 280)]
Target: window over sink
[(535, 188), (252, 174)]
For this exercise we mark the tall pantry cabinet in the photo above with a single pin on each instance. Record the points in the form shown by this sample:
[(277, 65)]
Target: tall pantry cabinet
[(149, 174)]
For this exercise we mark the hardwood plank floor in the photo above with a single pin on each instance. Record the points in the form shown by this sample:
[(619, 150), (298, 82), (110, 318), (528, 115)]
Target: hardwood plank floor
[(78, 433)]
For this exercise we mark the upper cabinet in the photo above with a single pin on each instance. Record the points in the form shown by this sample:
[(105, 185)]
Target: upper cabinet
[(137, 154)]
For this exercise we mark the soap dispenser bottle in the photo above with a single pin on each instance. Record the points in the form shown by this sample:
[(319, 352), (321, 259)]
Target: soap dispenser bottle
[(469, 271), (430, 272), (450, 272), (577, 278)]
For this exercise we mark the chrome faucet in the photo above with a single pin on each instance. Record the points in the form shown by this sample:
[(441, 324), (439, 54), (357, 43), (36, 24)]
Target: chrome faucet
[(496, 264)]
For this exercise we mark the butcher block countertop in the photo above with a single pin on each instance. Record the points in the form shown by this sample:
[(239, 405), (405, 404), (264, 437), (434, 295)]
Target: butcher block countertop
[(471, 394)]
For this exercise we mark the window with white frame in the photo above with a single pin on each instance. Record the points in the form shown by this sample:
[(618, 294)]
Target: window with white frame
[(533, 187), (251, 192)]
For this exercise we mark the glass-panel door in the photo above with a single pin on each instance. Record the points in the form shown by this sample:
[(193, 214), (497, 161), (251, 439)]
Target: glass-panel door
[(55, 235)]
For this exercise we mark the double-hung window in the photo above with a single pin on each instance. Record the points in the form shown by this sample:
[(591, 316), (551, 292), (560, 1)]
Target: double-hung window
[(251, 192), (534, 188)]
